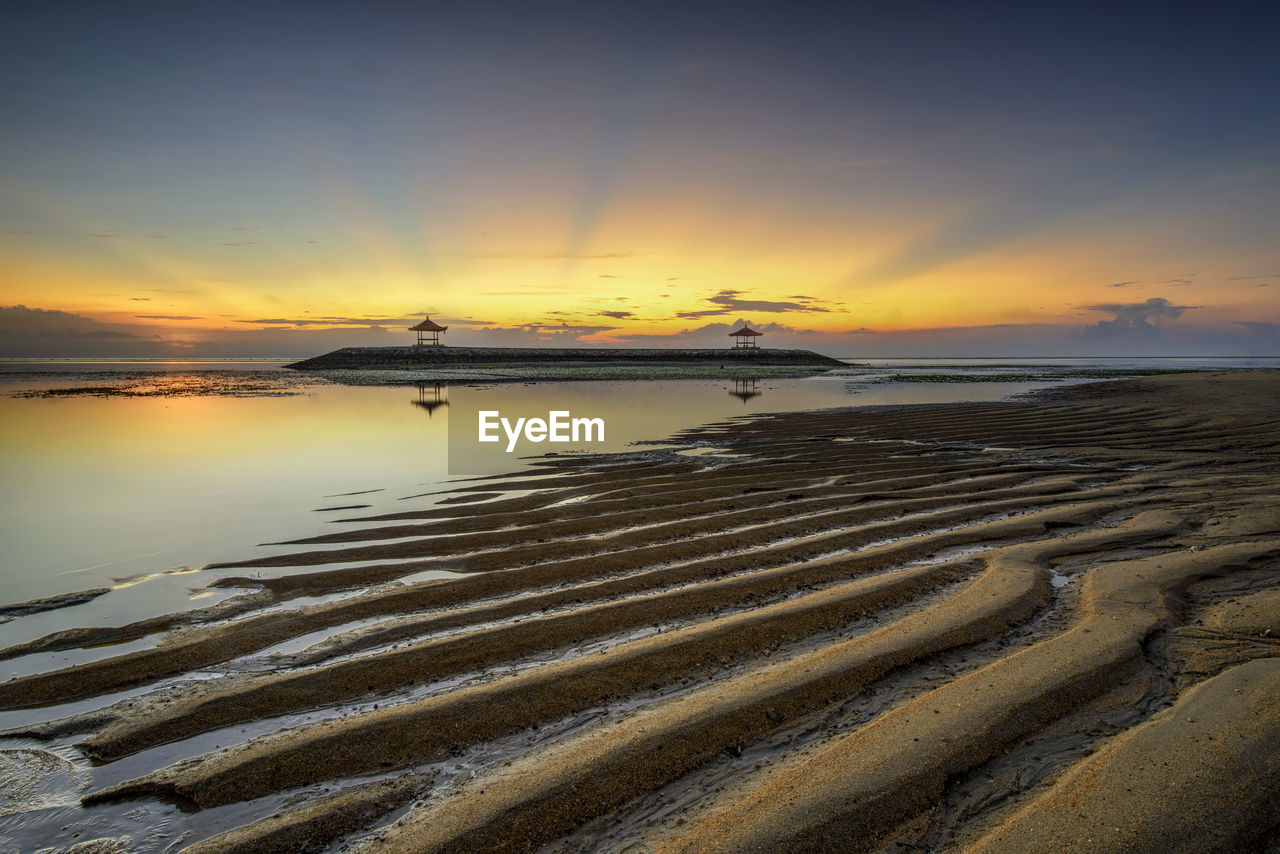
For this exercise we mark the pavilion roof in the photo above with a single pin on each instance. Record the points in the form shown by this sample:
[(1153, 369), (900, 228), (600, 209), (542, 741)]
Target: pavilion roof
[(428, 326), (745, 330)]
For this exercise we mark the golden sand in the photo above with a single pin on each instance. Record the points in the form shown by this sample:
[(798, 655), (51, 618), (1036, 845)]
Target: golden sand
[(1041, 625)]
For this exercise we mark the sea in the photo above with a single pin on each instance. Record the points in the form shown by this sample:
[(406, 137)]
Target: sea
[(137, 475)]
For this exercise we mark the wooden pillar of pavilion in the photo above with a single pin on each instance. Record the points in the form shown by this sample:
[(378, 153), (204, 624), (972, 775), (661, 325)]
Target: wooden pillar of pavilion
[(744, 338), (428, 333)]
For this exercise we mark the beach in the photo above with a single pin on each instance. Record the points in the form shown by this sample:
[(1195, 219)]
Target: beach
[(1034, 625)]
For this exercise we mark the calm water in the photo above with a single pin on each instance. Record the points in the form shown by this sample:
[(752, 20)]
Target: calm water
[(205, 460)]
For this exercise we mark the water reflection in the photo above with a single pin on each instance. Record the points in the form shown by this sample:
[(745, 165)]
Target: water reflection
[(100, 489), (746, 388), (431, 396)]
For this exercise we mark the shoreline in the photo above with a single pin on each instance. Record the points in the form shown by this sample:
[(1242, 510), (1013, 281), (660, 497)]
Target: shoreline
[(711, 646)]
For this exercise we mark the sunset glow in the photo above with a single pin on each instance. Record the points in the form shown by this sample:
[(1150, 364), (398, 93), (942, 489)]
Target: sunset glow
[(872, 184)]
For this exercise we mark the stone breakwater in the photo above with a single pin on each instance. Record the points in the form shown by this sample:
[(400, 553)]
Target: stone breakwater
[(393, 358)]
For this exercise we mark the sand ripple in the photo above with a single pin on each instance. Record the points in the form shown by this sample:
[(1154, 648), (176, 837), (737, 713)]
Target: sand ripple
[(988, 627)]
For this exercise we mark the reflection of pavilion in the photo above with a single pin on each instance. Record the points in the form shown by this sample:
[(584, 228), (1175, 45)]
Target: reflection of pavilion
[(431, 396), (745, 389)]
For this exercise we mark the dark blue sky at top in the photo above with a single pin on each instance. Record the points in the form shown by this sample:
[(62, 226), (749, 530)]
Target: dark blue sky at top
[(1200, 77)]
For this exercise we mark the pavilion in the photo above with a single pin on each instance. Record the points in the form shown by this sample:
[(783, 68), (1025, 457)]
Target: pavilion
[(744, 338), (428, 333)]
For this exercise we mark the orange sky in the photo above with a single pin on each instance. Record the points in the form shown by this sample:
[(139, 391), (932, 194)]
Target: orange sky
[(328, 182)]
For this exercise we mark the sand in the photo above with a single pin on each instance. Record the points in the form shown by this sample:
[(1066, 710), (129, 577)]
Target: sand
[(1050, 624)]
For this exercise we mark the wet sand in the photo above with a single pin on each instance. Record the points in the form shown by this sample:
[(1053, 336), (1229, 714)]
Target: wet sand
[(1036, 625)]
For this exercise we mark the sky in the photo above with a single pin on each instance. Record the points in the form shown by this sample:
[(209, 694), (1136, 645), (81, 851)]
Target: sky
[(860, 179)]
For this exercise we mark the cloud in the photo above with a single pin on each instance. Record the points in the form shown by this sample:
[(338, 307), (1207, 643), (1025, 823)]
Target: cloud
[(617, 315), (335, 321), (28, 332), (88, 335), (140, 299), (33, 332), (19, 318), (552, 329), (242, 243), (1253, 276), (114, 233), (728, 302), (167, 317), (542, 256), (1189, 280), (1263, 285), (542, 335), (716, 335), (607, 276), (1135, 316)]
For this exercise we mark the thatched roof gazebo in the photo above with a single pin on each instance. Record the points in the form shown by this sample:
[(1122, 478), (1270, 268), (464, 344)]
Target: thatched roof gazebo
[(428, 333), (744, 338)]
